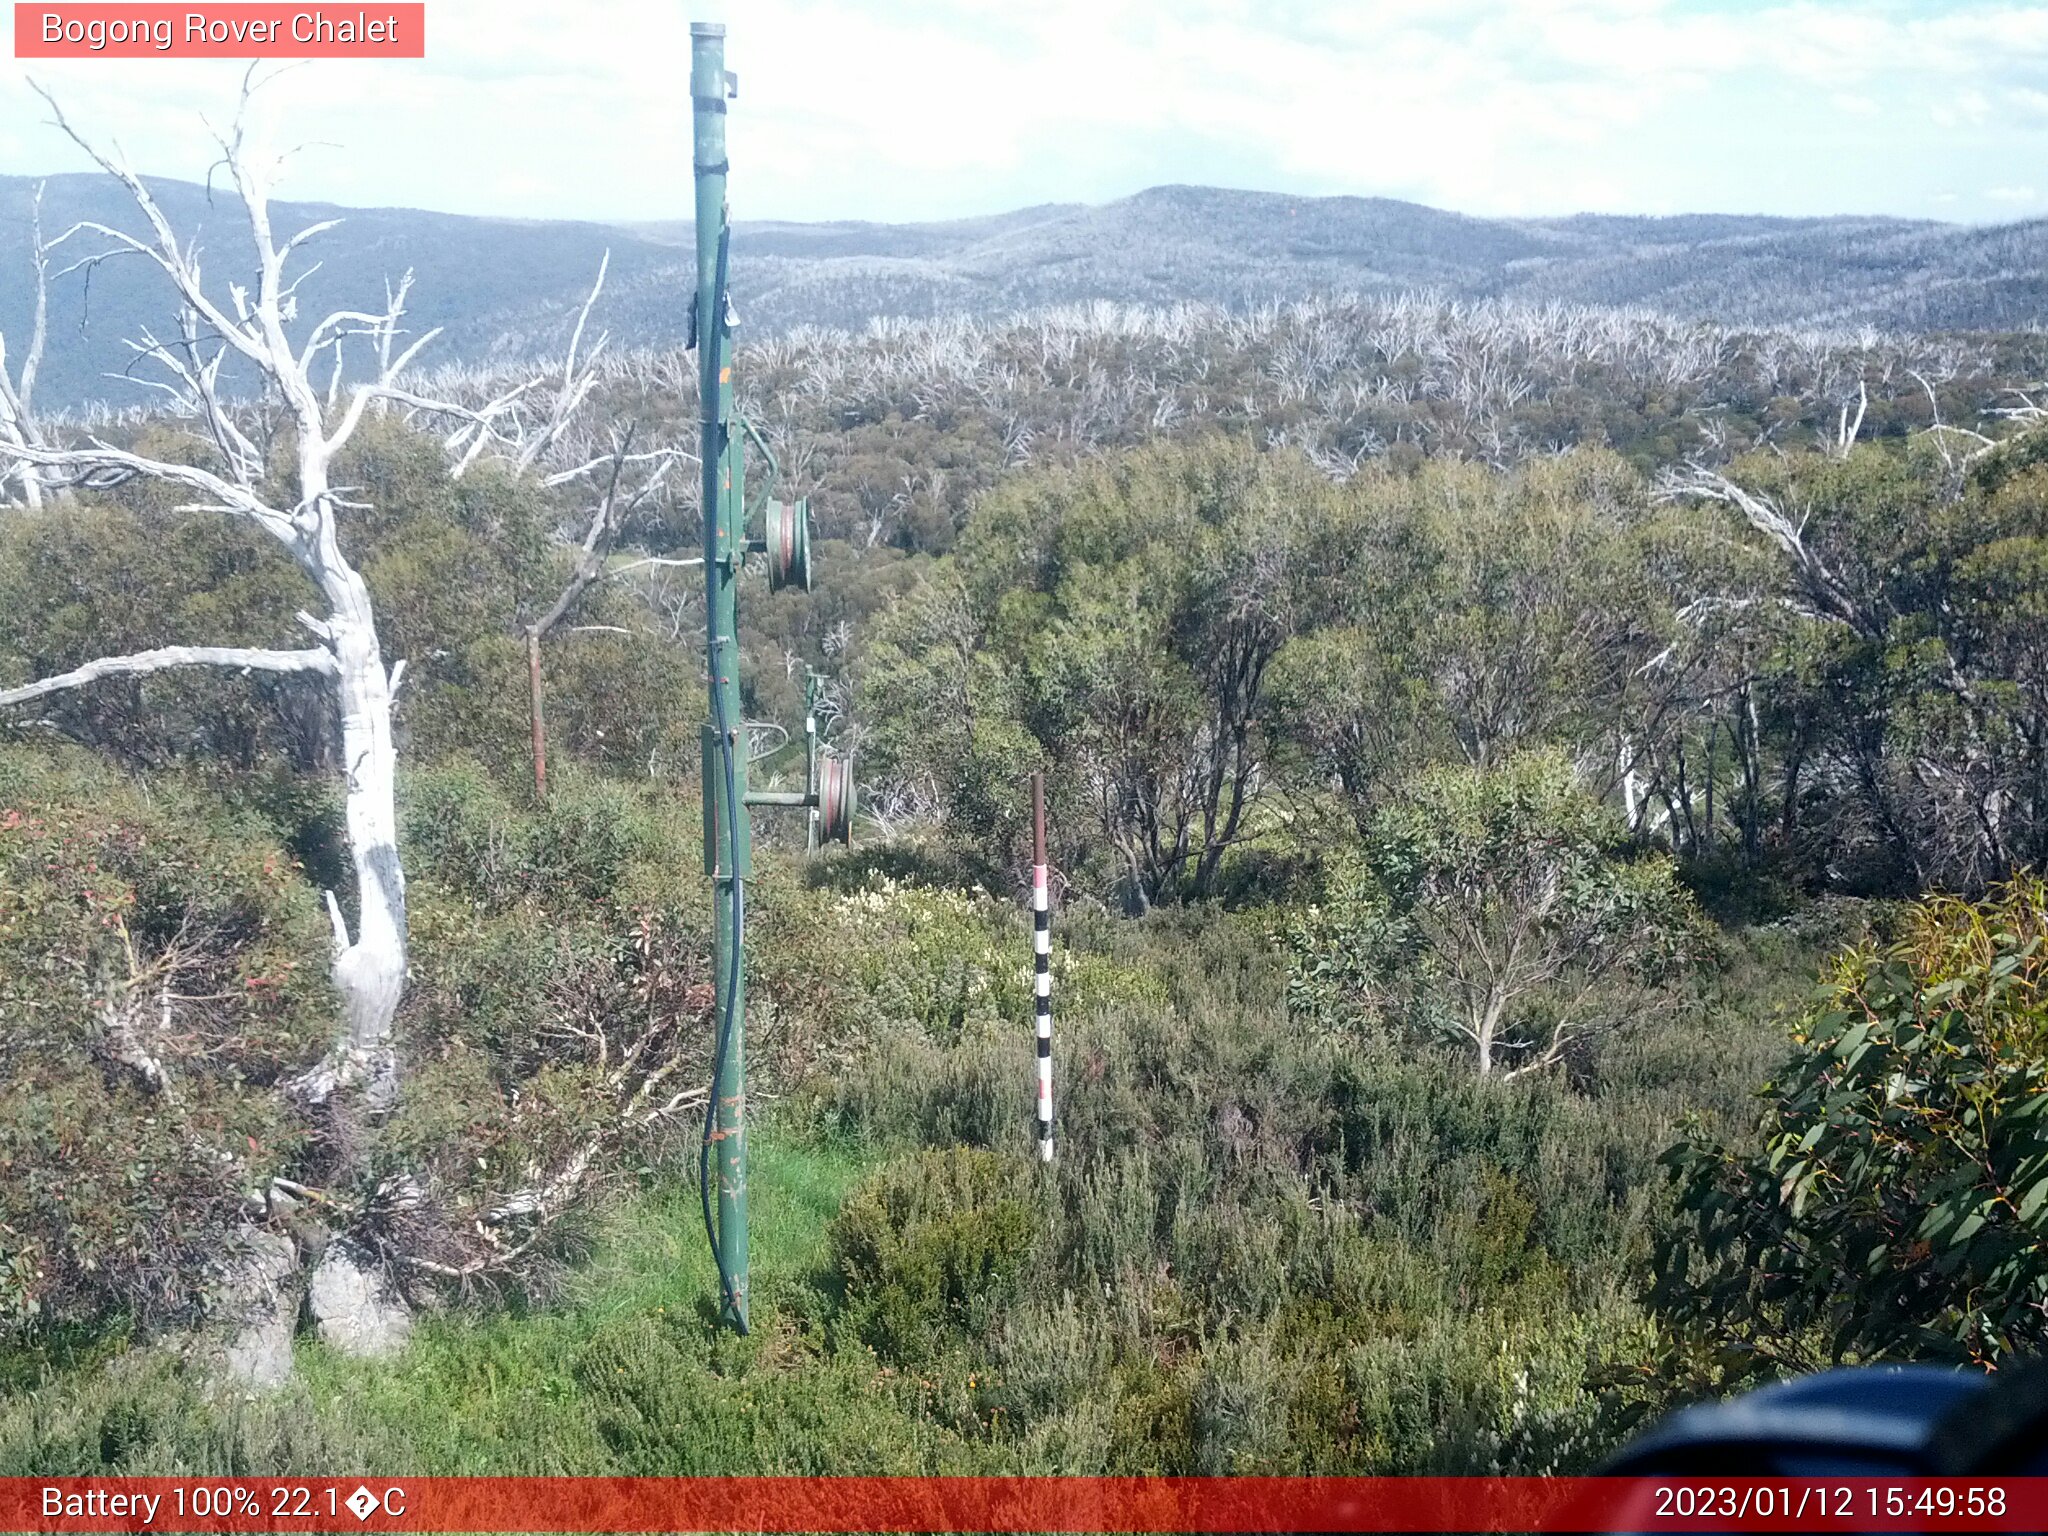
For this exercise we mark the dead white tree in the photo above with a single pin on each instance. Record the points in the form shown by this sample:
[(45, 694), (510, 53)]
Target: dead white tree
[(252, 329), (1847, 430), (2025, 411), (17, 395), (253, 338), (1941, 432)]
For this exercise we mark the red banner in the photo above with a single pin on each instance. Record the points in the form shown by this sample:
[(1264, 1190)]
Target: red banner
[(1007, 1504), (236, 31)]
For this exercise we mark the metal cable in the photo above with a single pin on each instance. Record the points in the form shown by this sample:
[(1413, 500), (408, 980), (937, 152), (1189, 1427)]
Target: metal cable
[(715, 333)]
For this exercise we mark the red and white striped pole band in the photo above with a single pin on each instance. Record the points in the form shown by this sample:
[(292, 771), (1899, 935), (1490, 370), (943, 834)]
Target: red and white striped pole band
[(1041, 964)]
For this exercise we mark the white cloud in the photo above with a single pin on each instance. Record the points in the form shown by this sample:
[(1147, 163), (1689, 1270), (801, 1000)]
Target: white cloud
[(895, 109)]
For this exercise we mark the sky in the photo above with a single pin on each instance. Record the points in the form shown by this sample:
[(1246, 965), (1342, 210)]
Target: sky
[(932, 109)]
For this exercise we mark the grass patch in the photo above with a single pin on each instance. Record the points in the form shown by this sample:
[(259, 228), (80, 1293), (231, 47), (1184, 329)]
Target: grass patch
[(629, 1373)]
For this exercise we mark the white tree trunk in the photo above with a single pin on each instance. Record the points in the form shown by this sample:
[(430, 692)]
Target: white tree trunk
[(370, 972), (1486, 1031), (1630, 793)]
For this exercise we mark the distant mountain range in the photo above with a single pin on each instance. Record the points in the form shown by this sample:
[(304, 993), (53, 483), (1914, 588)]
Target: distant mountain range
[(504, 288)]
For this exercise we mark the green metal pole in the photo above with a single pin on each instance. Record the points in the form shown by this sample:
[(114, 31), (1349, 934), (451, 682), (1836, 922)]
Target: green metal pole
[(726, 825)]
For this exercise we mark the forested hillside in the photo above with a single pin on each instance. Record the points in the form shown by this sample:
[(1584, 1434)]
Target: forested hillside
[(501, 287), (1487, 743)]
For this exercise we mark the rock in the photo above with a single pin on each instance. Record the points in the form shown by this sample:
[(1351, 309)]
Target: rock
[(353, 1308), (257, 1303)]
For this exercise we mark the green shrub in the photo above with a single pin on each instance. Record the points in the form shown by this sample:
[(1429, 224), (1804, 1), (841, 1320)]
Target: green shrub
[(952, 963), (928, 1247), (1899, 1208), (667, 1401), (160, 970), (147, 1412), (1501, 909), (467, 834)]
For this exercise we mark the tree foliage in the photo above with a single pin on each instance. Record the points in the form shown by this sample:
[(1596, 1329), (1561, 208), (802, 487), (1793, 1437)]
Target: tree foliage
[(1355, 585), (1116, 622), (1899, 1206), (455, 567), (1915, 666), (1500, 907)]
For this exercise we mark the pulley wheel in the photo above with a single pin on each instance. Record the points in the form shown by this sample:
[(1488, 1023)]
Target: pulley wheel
[(787, 533), (835, 799)]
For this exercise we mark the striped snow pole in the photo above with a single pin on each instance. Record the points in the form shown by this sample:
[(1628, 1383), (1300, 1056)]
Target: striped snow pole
[(1041, 955)]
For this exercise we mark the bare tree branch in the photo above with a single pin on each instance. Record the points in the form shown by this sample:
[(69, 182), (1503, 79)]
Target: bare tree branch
[(1823, 587), (103, 466), (320, 663)]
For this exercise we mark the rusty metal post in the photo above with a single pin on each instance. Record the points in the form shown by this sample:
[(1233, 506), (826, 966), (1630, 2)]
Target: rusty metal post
[(540, 730)]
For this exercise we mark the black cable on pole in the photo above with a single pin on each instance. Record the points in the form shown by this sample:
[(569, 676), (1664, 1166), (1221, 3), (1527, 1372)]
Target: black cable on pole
[(715, 334)]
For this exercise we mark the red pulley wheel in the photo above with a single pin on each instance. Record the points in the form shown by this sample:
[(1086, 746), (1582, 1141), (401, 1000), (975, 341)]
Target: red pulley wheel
[(787, 533), (835, 800)]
